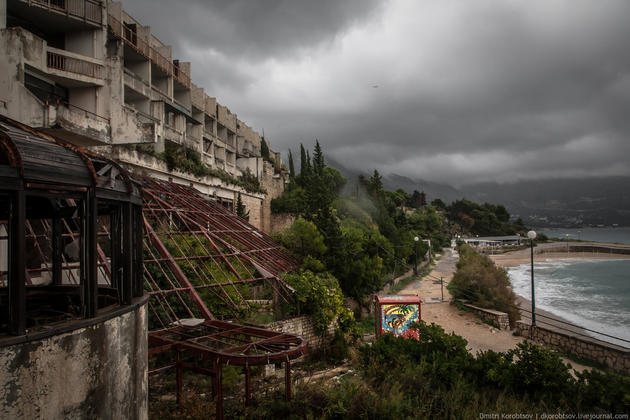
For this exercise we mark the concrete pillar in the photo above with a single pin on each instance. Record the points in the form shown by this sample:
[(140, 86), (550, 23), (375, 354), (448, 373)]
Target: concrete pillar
[(3, 14)]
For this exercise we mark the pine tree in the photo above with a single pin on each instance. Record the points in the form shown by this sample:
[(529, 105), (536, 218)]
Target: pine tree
[(241, 210)]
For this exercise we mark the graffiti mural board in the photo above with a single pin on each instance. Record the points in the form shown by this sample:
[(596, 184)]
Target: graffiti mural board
[(395, 314)]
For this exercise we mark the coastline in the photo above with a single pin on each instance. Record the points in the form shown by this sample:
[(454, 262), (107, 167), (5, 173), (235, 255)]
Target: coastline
[(546, 319), (523, 256)]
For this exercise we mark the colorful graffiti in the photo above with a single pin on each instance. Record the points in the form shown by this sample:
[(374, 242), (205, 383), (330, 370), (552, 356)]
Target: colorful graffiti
[(396, 319)]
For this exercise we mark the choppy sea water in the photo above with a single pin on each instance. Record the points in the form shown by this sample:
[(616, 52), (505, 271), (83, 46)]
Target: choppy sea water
[(590, 293)]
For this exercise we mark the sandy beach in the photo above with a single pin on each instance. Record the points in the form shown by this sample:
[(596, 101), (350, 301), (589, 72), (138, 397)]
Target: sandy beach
[(544, 253), (437, 309)]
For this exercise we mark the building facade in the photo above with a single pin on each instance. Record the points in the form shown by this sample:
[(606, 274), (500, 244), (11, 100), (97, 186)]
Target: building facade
[(92, 75)]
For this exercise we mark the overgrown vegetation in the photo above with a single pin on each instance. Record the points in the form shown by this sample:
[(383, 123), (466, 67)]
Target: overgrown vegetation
[(484, 219), (319, 295), (436, 377), (187, 160), (479, 281), (366, 237)]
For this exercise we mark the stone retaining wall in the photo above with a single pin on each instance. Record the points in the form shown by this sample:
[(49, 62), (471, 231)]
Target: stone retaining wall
[(615, 357), (280, 222), (303, 327), (499, 318)]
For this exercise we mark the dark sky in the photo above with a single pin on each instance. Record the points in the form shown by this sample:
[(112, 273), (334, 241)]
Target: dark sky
[(456, 91)]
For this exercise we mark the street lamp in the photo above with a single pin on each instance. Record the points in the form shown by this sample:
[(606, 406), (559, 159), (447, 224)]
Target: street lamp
[(532, 235), (415, 260)]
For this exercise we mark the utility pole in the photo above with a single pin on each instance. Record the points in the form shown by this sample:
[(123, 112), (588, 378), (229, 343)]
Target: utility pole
[(532, 235), (442, 287)]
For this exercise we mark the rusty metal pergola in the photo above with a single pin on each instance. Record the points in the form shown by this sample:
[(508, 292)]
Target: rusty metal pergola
[(87, 241), (200, 256)]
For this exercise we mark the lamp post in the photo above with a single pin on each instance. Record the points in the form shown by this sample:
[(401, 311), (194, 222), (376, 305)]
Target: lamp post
[(415, 260), (532, 235)]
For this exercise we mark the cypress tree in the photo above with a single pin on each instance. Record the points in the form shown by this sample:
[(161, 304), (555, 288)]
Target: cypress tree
[(291, 168), (264, 149), (241, 210), (318, 159)]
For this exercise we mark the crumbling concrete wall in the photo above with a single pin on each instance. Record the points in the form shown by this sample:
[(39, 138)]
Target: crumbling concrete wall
[(253, 204), (95, 372), (274, 184)]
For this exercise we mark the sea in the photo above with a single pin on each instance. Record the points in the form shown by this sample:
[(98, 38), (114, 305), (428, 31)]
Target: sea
[(590, 293), (619, 235)]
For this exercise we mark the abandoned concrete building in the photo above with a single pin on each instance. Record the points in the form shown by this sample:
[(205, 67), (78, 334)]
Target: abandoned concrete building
[(109, 253), (90, 74)]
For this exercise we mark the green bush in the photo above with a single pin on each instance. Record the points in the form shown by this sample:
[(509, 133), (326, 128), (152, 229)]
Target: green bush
[(320, 297), (481, 282)]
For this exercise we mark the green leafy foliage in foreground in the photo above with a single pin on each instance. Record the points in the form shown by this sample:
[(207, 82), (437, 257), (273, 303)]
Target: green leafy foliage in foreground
[(481, 282), (319, 296), (436, 377)]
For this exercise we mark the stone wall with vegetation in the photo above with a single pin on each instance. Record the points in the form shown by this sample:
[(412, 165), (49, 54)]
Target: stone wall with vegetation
[(501, 319), (609, 355), (281, 221), (303, 327)]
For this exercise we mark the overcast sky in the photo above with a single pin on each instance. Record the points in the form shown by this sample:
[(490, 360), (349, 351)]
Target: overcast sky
[(444, 90)]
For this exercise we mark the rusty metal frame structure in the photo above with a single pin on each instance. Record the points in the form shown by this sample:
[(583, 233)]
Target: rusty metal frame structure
[(195, 247), (187, 250), (52, 197)]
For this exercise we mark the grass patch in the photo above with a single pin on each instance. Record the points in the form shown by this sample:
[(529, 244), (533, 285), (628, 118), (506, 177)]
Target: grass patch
[(366, 325)]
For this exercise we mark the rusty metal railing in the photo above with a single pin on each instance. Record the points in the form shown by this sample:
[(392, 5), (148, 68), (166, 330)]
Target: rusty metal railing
[(130, 37)]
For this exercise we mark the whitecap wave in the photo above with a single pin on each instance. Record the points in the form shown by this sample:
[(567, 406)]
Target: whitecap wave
[(563, 290)]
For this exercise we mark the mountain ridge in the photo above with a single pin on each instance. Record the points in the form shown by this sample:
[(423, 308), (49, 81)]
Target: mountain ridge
[(542, 203)]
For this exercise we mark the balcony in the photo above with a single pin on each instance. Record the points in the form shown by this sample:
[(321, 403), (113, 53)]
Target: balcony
[(75, 67), (121, 31), (87, 11), (77, 125), (137, 84), (172, 134)]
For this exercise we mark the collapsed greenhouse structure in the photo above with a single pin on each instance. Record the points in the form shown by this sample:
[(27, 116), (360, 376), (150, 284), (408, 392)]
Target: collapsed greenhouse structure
[(89, 256)]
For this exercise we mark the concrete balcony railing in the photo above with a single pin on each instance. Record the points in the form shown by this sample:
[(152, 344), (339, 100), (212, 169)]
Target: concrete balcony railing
[(209, 135), (90, 11), (68, 62), (173, 135), (72, 123), (135, 83)]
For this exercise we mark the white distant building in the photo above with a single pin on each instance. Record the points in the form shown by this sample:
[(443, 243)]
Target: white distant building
[(493, 241)]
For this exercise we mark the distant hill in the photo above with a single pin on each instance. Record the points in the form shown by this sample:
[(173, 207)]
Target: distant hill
[(561, 202), (541, 203)]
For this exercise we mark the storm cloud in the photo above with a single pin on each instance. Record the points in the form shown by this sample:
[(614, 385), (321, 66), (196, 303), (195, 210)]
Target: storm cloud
[(451, 91)]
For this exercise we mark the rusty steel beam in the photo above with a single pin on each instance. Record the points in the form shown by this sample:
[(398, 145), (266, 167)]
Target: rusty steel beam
[(177, 271)]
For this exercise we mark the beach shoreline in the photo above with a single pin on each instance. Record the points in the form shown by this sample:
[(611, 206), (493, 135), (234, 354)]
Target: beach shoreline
[(546, 319), (523, 256)]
